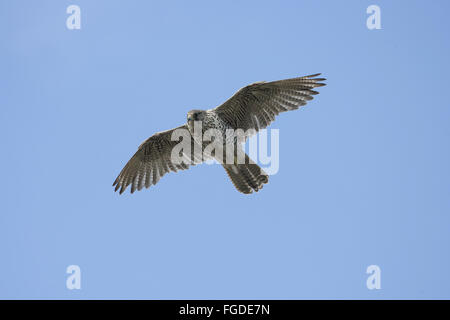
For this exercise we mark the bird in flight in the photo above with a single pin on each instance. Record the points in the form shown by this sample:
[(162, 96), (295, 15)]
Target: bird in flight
[(251, 108)]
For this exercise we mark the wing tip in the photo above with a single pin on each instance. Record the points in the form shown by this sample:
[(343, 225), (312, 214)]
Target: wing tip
[(312, 75)]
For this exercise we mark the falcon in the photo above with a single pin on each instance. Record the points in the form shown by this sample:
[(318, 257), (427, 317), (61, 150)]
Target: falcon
[(251, 108)]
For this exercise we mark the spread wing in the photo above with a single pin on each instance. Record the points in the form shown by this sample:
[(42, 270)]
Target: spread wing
[(153, 160), (255, 106)]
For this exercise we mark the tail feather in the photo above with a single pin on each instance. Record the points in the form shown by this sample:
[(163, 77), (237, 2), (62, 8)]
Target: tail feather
[(246, 177)]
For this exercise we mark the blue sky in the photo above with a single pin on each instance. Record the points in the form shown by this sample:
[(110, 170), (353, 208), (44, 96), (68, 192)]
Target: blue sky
[(364, 168)]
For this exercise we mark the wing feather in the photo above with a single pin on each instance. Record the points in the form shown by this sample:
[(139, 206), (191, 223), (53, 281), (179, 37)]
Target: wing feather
[(256, 106), (152, 161)]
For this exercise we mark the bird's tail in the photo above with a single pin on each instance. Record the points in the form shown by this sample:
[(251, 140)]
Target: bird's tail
[(246, 177)]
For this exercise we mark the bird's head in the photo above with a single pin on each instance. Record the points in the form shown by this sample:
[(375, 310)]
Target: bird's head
[(196, 115)]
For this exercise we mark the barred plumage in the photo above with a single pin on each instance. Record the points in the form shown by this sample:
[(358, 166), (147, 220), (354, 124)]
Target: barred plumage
[(252, 107)]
